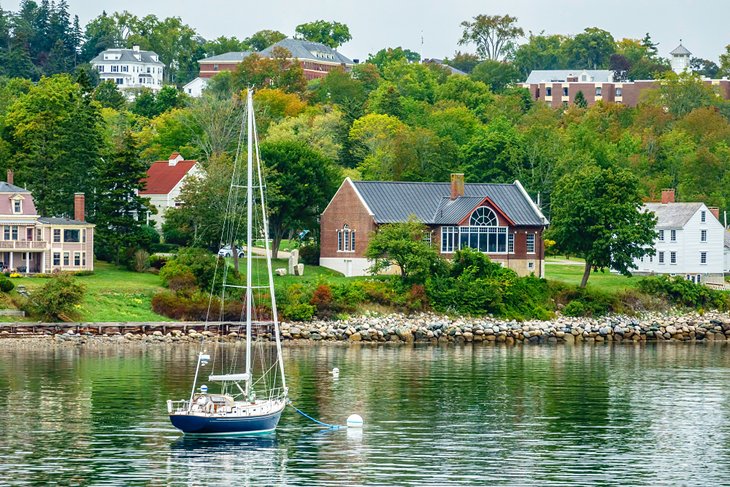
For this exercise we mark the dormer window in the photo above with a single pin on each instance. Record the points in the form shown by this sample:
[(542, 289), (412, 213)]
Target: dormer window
[(17, 204)]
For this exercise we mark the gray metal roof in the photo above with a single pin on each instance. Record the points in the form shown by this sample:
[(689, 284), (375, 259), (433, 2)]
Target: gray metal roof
[(680, 50), (127, 57), (393, 202), (313, 51), (673, 215), (61, 221), (11, 188), (233, 56), (561, 75)]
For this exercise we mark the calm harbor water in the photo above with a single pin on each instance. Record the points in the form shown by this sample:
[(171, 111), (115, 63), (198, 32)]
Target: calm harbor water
[(451, 415)]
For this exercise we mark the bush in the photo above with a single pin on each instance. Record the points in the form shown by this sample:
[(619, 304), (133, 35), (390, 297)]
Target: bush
[(164, 248), (198, 262), (57, 299), (679, 291), (309, 254), (6, 285), (157, 261), (141, 260), (298, 312), (323, 300), (198, 306), (578, 301)]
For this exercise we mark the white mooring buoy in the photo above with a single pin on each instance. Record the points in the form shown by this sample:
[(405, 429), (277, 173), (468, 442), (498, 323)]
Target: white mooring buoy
[(354, 421), (335, 373)]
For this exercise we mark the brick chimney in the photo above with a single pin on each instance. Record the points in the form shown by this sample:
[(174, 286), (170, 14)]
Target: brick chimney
[(9, 180), (667, 196), (79, 207), (715, 211), (457, 185)]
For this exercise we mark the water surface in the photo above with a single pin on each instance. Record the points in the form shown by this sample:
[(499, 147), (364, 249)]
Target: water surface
[(451, 415)]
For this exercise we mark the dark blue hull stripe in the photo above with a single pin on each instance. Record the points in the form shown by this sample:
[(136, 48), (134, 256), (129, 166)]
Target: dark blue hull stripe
[(205, 425)]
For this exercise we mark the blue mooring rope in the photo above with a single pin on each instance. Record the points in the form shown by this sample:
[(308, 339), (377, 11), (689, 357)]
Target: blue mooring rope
[(330, 426)]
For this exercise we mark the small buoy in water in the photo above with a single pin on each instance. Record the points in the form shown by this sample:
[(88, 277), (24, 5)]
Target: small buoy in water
[(335, 372), (354, 421)]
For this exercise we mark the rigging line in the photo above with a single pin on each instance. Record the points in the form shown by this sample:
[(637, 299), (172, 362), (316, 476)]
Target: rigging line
[(326, 425)]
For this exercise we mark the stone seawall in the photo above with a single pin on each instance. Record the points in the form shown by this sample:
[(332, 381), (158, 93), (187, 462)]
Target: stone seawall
[(425, 328)]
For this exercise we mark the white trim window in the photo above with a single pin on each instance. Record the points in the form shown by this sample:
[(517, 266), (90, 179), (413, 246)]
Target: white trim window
[(530, 243), (673, 235), (56, 235), (56, 258), (449, 239), (484, 233), (77, 259), (67, 259), (345, 239), (703, 216), (511, 243), (17, 206), (661, 236), (703, 257), (661, 257), (703, 235), (672, 257)]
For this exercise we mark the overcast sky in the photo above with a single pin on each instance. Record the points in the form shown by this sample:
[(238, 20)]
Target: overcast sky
[(432, 27)]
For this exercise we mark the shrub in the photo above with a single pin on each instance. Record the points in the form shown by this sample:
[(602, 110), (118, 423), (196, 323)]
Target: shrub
[(6, 285), (679, 291), (164, 248), (417, 300), (57, 299), (198, 262), (141, 258), (298, 312), (323, 300), (157, 261), (309, 254), (199, 306)]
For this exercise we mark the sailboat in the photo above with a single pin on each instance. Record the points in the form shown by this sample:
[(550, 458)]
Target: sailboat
[(248, 401)]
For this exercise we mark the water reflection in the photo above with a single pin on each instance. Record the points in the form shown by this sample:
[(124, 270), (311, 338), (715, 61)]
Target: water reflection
[(437, 415)]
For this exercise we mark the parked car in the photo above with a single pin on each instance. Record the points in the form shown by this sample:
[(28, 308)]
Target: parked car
[(227, 252)]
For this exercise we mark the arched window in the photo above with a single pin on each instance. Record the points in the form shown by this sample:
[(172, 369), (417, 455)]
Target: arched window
[(483, 217), (345, 239)]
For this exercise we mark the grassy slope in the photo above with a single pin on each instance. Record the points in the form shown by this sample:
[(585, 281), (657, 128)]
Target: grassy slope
[(572, 274), (112, 294)]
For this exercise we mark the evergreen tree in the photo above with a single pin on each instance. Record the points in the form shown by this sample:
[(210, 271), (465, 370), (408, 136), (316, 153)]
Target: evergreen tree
[(580, 100), (118, 206), (109, 96)]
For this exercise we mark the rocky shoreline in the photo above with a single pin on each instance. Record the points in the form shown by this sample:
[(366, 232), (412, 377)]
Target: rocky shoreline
[(423, 328)]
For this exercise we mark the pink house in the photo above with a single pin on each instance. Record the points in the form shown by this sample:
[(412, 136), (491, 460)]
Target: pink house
[(30, 243)]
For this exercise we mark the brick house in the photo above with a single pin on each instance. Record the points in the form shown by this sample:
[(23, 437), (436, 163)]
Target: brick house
[(317, 60), (30, 243), (164, 182), (499, 219)]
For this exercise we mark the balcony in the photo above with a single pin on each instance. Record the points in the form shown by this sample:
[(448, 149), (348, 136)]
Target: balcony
[(22, 245)]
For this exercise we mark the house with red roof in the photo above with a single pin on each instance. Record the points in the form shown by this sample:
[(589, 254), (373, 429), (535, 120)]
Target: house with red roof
[(164, 182)]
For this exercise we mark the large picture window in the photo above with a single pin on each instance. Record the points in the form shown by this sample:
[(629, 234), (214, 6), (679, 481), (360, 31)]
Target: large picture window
[(483, 234), (71, 235)]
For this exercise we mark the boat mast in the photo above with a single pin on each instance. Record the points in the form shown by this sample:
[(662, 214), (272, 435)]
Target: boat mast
[(249, 231), (274, 313)]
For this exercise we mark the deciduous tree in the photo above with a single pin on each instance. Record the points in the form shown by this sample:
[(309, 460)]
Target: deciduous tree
[(493, 35), (332, 34), (597, 215)]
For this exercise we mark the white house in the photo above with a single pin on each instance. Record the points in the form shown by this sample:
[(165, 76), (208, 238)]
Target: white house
[(690, 241), (195, 88), (164, 182), (130, 69)]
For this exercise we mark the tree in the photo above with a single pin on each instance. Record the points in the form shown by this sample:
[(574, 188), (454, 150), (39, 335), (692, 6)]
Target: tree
[(580, 100), (332, 34), (278, 71), (119, 208), (704, 67), (492, 34), (54, 134), (386, 56), (463, 61), (58, 298), (725, 62), (494, 154), (495, 74), (100, 33), (591, 49), (681, 93), (539, 52), (109, 96), (404, 245), (597, 215), (300, 183), (262, 39)]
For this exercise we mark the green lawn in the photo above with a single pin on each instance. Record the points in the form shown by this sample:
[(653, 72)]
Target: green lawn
[(557, 270), (112, 294)]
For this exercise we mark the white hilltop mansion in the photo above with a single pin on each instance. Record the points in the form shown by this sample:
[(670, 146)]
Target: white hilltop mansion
[(130, 69)]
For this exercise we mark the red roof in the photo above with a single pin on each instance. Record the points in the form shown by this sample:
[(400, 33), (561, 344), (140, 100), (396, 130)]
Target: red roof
[(162, 177)]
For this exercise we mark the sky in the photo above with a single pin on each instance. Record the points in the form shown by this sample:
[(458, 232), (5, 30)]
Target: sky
[(433, 27)]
